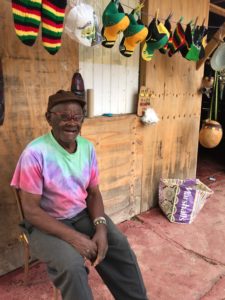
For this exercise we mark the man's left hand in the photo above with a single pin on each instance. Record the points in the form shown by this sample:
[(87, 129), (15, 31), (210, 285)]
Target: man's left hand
[(100, 238)]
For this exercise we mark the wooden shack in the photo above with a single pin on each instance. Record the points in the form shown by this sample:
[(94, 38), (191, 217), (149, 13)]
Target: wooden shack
[(132, 157)]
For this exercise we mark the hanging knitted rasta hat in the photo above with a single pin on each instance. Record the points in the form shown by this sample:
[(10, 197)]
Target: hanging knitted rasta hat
[(53, 13), (27, 18), (178, 39), (114, 21), (133, 35), (157, 38)]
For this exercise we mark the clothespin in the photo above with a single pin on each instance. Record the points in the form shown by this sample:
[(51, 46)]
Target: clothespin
[(203, 22), (196, 20), (157, 14), (181, 19), (170, 16), (138, 8)]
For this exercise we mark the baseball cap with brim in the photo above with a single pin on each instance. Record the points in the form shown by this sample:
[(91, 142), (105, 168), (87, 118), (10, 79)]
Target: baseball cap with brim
[(114, 21), (157, 38), (80, 24), (218, 59), (65, 96), (133, 35)]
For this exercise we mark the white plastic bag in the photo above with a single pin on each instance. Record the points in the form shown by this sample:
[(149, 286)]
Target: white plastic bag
[(81, 24)]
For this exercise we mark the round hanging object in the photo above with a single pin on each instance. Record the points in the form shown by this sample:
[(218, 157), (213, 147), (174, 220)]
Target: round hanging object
[(218, 59), (210, 134)]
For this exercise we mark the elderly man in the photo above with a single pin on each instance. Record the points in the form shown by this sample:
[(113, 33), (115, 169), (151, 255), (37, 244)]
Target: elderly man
[(57, 176)]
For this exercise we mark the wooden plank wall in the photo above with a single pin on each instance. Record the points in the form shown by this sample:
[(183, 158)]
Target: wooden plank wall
[(132, 157), (120, 180), (170, 148), (30, 76)]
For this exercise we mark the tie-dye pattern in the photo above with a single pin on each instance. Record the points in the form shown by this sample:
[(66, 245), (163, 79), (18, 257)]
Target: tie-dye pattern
[(47, 169)]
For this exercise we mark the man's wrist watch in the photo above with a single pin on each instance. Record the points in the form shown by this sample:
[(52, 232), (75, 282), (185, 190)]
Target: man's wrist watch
[(100, 220)]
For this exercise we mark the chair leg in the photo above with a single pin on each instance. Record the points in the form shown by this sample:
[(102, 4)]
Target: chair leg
[(26, 255), (26, 263)]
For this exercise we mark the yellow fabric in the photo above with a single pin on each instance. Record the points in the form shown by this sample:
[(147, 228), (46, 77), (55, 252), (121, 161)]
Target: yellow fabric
[(111, 32), (25, 14), (132, 41)]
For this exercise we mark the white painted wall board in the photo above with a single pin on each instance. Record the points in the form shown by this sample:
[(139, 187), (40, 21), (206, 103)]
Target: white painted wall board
[(113, 77)]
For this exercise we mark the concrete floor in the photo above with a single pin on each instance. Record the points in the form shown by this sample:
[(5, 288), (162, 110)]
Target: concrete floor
[(178, 262)]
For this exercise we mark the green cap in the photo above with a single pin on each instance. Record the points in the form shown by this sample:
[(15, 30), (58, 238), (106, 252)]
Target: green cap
[(157, 38)]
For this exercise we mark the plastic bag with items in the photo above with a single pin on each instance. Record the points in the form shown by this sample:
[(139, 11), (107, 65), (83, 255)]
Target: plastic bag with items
[(181, 200), (81, 24)]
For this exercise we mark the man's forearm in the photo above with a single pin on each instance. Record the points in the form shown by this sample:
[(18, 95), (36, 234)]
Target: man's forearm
[(44, 222), (95, 206)]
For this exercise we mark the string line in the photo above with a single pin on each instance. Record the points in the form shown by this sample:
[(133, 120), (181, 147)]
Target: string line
[(172, 21)]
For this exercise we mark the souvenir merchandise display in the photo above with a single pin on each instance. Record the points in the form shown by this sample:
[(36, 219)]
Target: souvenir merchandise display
[(28, 15), (211, 132), (27, 18), (81, 24), (178, 39), (135, 33), (157, 38), (190, 42), (114, 21), (193, 48), (168, 45), (52, 17)]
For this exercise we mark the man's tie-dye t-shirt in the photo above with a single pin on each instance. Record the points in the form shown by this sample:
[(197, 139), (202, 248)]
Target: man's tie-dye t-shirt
[(45, 168)]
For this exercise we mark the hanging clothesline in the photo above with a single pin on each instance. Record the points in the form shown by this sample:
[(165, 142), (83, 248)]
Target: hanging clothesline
[(171, 20)]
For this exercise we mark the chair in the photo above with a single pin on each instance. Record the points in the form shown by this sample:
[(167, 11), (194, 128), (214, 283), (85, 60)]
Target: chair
[(24, 240)]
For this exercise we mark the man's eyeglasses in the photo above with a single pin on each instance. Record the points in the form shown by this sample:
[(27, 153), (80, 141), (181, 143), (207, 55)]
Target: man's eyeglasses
[(67, 116)]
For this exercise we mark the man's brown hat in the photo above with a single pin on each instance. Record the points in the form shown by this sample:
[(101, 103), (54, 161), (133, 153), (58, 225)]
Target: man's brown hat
[(65, 96)]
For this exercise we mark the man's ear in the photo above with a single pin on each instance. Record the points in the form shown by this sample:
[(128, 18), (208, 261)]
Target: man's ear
[(48, 117)]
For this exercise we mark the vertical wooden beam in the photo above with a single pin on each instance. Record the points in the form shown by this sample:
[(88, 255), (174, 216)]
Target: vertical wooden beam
[(2, 99)]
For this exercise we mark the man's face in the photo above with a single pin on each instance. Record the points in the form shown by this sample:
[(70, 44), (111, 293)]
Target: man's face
[(66, 120)]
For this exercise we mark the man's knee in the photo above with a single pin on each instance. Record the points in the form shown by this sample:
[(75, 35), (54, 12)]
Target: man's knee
[(57, 253), (69, 263), (116, 237)]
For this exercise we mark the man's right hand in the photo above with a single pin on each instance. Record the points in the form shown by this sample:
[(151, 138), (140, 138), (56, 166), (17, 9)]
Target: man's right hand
[(85, 246)]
